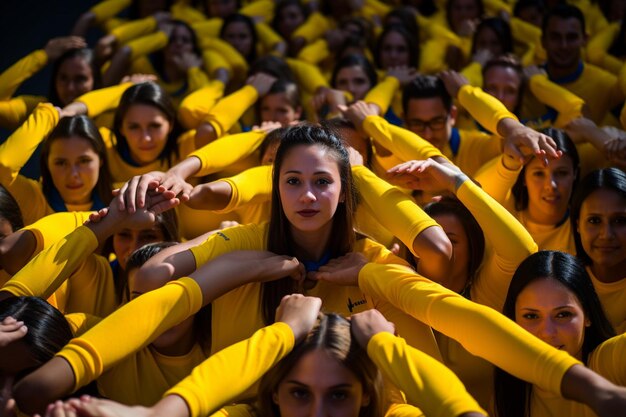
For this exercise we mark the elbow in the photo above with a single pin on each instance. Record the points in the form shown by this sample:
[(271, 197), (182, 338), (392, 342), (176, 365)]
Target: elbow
[(435, 251)]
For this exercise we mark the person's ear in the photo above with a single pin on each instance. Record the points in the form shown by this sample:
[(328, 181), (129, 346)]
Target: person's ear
[(454, 112), (366, 400), (275, 397)]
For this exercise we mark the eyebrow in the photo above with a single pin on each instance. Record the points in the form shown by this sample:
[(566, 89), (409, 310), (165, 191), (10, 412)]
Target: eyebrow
[(300, 172), (293, 381), (555, 308)]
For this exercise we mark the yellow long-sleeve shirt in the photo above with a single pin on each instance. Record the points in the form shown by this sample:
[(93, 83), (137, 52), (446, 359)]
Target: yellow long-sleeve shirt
[(613, 298)]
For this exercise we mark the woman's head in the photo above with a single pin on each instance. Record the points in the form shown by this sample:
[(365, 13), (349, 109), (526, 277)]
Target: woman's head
[(355, 74), (494, 35), (239, 31), (145, 125), (503, 79), (552, 297), (544, 192), (47, 332), (73, 74), (288, 15), (327, 374), (281, 103), (10, 214), (74, 163), (396, 47), (598, 218), (182, 40), (459, 12), (466, 236)]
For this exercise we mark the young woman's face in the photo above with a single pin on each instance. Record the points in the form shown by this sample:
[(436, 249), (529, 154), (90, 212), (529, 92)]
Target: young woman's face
[(290, 18), (487, 39), (73, 79), (353, 80), (221, 8), (549, 189), (310, 188), (181, 42), (462, 11), (238, 35), (278, 108), (127, 241), (602, 228), (504, 84), (320, 385), (394, 51), (146, 129), (460, 244), (74, 167), (5, 228), (550, 311)]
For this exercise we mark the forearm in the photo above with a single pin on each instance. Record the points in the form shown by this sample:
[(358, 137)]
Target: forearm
[(215, 195), (16, 250), (186, 168)]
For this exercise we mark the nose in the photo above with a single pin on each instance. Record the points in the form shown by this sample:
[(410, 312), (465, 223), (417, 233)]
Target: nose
[(307, 195), (318, 409), (547, 330), (607, 230), (74, 169), (551, 183)]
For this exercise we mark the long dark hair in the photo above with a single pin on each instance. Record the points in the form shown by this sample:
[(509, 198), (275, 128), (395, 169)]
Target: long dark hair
[(353, 60), (85, 54), (512, 62), (10, 210), (564, 144), (149, 94), (279, 238), (158, 58), (241, 18), (412, 43), (84, 128), (501, 28), (475, 237), (332, 334), (613, 179), (48, 330), (512, 395)]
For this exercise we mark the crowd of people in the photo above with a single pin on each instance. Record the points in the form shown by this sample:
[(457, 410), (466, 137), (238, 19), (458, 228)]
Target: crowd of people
[(318, 208)]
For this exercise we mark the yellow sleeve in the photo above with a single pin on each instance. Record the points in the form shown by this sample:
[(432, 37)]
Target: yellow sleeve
[(196, 79), (259, 8), (104, 99), (214, 61), (529, 34), (51, 267), (481, 330), (313, 28), (208, 28), (498, 182), (397, 212), (52, 228), (108, 9), (315, 52), (121, 334), (405, 144), (19, 147), (246, 237), (30, 198), (426, 382), (567, 104), (231, 148), (251, 186), (236, 61), (196, 106), (608, 359), (383, 93), (231, 371), (229, 110), (309, 77), (474, 73), (147, 44), (183, 11), (13, 112), (91, 288), (81, 322), (132, 30), (267, 36), (486, 109), (16, 74), (509, 241)]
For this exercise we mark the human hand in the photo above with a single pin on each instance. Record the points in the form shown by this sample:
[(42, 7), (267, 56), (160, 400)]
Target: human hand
[(428, 175), (11, 330), (267, 127), (58, 46), (482, 56), (358, 111), (367, 324), (186, 61), (105, 47), (532, 70), (139, 78), (299, 312), (94, 407), (521, 143), (342, 271), (133, 193), (261, 82), (453, 82)]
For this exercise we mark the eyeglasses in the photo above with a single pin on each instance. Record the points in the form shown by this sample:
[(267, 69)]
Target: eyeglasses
[(437, 123)]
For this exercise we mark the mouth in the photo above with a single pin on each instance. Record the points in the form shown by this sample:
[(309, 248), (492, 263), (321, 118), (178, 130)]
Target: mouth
[(308, 213), (552, 199), (606, 248), (74, 186)]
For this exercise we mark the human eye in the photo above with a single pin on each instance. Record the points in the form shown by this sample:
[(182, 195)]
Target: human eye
[(538, 174), (132, 126), (324, 181), (564, 314), (562, 173), (85, 160), (594, 220), (124, 234), (530, 316), (621, 220), (292, 181), (339, 395), (156, 125), (299, 393), (60, 162)]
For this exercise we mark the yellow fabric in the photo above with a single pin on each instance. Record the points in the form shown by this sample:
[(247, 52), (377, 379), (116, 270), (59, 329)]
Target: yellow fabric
[(568, 105), (599, 45), (194, 108), (475, 150), (208, 28), (426, 382), (251, 194), (52, 228), (135, 29), (383, 93), (236, 61), (529, 34), (396, 211), (226, 151), (309, 76), (606, 360), (219, 379), (108, 9), (481, 331), (13, 112), (16, 74), (104, 99), (486, 109), (613, 298), (498, 182), (229, 109), (147, 44), (121, 334), (314, 27), (81, 322)]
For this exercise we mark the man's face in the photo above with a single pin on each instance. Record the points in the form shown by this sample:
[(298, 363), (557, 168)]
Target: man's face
[(429, 118), (563, 40)]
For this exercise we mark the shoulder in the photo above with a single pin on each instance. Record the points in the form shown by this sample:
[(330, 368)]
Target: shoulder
[(377, 253)]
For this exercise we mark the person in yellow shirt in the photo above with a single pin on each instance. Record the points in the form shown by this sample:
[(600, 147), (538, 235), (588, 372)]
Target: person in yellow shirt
[(538, 193), (552, 297), (239, 31), (598, 207)]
